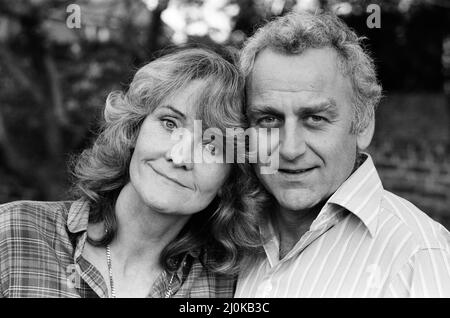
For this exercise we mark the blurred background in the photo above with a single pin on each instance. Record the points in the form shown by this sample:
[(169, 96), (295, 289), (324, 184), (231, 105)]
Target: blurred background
[(59, 59)]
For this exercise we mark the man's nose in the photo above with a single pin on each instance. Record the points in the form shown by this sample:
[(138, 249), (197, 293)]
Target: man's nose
[(292, 141), (180, 150)]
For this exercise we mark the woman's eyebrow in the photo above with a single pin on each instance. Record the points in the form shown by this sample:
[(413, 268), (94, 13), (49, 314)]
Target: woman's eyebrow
[(173, 109)]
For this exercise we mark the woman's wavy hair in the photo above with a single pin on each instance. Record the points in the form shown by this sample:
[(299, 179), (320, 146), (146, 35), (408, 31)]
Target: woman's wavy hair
[(227, 228)]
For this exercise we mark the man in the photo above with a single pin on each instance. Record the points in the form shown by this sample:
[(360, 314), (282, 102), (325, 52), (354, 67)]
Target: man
[(333, 231)]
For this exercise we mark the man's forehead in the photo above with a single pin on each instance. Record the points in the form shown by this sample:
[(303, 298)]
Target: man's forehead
[(311, 69), (310, 78), (263, 85)]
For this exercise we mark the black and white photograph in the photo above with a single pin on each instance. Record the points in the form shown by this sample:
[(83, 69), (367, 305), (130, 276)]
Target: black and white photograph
[(246, 150)]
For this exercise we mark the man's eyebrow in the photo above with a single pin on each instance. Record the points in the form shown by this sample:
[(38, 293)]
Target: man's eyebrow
[(173, 109), (263, 109), (328, 106)]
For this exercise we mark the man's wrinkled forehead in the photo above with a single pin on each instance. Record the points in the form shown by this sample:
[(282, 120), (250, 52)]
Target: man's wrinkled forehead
[(316, 64), (314, 70)]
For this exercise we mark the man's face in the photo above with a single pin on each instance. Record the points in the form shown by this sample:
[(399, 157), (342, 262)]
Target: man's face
[(307, 97)]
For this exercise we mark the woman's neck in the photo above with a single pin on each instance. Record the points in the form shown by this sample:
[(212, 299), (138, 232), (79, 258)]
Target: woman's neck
[(142, 232)]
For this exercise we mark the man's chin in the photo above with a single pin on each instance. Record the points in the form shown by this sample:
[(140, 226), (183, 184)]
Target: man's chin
[(297, 207), (297, 202)]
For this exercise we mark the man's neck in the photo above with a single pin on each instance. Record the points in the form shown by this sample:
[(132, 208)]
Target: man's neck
[(292, 225)]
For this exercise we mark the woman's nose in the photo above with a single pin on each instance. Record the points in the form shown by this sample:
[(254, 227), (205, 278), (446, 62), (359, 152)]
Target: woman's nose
[(180, 151)]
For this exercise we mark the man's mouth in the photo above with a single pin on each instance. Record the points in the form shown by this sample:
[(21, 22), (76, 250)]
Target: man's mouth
[(295, 171)]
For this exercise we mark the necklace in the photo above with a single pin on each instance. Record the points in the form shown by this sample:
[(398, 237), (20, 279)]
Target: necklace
[(167, 294), (111, 281)]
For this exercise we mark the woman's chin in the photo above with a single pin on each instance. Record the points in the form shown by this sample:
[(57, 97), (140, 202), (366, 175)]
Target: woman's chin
[(169, 205), (161, 204)]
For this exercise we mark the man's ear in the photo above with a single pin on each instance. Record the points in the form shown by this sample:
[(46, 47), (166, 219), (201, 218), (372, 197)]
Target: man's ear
[(364, 137)]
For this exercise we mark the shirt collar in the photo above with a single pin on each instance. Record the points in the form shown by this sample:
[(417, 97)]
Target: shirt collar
[(328, 217), (361, 194), (78, 217)]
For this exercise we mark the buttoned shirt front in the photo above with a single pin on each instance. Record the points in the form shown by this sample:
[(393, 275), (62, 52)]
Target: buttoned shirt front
[(365, 242), (41, 245)]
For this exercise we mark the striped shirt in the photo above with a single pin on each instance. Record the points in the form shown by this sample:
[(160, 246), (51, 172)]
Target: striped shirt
[(41, 245), (365, 242)]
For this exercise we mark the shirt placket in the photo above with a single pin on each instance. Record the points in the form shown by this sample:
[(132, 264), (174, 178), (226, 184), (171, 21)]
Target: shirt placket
[(320, 226), (274, 266), (167, 285), (88, 273)]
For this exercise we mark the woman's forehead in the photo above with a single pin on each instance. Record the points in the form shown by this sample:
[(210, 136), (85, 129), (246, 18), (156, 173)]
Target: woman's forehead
[(197, 100), (188, 90), (182, 100)]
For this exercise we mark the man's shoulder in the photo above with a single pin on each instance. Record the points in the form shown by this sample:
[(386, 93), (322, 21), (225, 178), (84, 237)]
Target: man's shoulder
[(427, 232), (22, 217)]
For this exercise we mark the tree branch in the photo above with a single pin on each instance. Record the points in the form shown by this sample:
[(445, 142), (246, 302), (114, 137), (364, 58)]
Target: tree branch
[(154, 29), (55, 90), (12, 65), (13, 160)]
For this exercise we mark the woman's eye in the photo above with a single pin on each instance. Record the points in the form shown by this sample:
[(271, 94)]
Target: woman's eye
[(210, 148), (169, 124)]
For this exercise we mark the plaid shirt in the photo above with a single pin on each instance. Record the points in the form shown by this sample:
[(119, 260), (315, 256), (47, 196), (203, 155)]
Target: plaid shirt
[(41, 245)]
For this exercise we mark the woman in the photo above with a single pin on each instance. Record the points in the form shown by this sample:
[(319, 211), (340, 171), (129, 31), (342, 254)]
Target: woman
[(150, 221)]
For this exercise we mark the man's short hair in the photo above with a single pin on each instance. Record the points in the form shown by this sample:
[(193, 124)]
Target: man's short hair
[(298, 31)]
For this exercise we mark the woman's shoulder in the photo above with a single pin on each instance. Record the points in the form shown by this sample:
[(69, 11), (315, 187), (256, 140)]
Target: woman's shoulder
[(34, 247), (24, 218)]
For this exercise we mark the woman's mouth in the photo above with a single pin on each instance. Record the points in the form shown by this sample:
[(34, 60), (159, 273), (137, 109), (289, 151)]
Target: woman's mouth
[(174, 180)]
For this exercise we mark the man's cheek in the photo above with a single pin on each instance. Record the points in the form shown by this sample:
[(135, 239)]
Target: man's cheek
[(270, 182), (268, 150)]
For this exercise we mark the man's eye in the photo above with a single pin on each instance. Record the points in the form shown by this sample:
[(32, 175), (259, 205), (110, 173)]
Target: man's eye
[(169, 124), (315, 119), (267, 121)]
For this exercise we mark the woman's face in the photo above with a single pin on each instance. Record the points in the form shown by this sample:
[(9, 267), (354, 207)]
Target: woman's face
[(162, 171)]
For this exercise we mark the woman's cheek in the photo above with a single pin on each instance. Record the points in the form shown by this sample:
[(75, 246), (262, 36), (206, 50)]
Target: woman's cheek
[(214, 176)]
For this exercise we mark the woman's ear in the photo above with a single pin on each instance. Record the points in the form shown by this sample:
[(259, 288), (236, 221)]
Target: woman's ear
[(364, 137)]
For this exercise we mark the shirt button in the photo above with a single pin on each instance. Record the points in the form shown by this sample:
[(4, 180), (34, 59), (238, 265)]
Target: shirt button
[(267, 289)]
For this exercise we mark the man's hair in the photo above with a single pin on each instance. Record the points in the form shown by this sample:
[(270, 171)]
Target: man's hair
[(298, 31), (103, 170)]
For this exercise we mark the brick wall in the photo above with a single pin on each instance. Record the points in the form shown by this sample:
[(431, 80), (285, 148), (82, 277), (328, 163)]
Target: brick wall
[(411, 149)]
